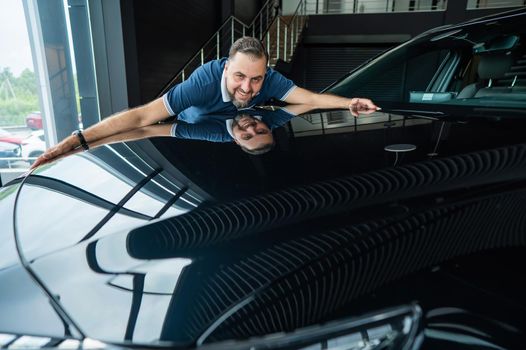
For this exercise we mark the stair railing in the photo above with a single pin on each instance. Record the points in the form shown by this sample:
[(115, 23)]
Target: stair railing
[(284, 33)]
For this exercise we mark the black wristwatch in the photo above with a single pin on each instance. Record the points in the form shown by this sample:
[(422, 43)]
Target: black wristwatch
[(82, 140)]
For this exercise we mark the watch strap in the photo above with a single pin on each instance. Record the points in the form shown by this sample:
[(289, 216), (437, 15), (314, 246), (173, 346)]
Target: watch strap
[(81, 138)]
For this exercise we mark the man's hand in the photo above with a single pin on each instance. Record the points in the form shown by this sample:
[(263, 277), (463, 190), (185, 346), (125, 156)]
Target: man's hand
[(327, 100), (61, 149), (362, 105), (124, 121)]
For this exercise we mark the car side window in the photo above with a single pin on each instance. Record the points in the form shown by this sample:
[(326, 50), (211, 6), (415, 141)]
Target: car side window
[(393, 78)]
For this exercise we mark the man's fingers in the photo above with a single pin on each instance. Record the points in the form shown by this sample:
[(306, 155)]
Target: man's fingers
[(52, 153), (362, 106), (49, 155), (58, 151), (366, 111), (39, 161)]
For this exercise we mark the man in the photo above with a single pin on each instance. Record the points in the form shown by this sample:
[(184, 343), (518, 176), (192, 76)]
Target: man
[(223, 86)]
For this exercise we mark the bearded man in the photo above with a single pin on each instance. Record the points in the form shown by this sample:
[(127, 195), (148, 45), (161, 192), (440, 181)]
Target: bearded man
[(225, 86)]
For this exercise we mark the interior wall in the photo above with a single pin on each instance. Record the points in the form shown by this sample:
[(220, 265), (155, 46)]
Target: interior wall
[(167, 35), (354, 27), (247, 10)]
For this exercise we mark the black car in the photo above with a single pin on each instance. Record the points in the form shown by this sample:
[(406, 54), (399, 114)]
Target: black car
[(8, 150), (405, 229)]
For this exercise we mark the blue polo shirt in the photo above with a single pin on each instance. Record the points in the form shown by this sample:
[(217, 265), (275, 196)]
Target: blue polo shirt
[(205, 93)]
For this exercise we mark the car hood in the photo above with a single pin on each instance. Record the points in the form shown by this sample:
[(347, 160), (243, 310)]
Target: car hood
[(131, 239)]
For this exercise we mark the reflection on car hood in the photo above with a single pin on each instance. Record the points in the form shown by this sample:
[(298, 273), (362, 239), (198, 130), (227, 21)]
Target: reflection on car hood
[(115, 235)]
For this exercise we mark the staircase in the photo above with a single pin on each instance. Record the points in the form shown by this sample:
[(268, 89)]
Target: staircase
[(279, 34)]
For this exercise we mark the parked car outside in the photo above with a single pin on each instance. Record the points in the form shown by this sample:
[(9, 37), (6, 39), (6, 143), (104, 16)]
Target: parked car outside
[(401, 230), (34, 145), (6, 136), (8, 150), (34, 120)]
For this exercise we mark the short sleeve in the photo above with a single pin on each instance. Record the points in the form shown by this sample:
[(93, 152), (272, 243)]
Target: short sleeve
[(277, 85)]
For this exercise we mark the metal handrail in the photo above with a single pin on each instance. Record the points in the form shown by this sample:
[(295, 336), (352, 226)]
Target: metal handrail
[(317, 7), (232, 29), (282, 36), (476, 5)]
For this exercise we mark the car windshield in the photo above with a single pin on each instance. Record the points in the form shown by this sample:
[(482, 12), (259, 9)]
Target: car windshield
[(478, 65)]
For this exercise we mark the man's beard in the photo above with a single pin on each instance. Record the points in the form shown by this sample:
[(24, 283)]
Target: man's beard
[(239, 104)]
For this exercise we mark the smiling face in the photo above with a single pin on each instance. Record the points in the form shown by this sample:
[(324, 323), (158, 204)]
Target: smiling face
[(251, 133), (244, 77)]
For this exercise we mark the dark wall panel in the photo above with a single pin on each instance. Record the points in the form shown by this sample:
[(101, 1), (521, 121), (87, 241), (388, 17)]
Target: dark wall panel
[(167, 34), (247, 10), (317, 66), (374, 24)]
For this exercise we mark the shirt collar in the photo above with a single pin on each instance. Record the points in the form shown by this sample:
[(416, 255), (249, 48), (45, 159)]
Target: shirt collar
[(224, 91)]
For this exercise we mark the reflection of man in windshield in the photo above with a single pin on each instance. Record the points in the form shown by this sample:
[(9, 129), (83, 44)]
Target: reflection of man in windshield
[(223, 86)]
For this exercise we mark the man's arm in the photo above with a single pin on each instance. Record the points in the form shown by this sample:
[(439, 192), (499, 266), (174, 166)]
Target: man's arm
[(135, 134), (124, 121), (325, 100), (132, 135)]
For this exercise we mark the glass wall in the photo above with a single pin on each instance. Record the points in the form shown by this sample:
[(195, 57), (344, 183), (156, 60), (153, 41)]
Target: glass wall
[(55, 73), (319, 7), (21, 118), (38, 81), (482, 4)]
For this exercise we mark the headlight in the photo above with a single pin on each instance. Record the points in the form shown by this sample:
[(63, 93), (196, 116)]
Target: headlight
[(26, 342), (17, 151), (394, 328)]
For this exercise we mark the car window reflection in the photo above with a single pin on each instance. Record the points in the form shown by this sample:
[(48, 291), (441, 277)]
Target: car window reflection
[(460, 68)]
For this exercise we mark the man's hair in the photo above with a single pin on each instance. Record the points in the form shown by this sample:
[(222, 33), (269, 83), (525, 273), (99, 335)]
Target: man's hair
[(249, 46), (260, 150)]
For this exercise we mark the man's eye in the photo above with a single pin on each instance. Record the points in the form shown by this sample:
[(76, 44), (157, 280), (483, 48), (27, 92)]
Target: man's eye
[(262, 131), (256, 80), (246, 137)]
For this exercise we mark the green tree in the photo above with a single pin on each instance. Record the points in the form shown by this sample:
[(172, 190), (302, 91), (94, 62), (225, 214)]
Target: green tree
[(26, 83), (5, 74), (18, 96)]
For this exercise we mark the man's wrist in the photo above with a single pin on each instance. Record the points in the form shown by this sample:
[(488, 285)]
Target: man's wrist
[(80, 138)]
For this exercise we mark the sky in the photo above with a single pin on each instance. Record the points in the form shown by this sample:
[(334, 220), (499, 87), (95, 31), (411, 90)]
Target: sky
[(15, 51)]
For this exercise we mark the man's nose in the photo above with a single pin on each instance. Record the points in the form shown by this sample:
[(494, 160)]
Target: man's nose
[(246, 85), (251, 129)]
